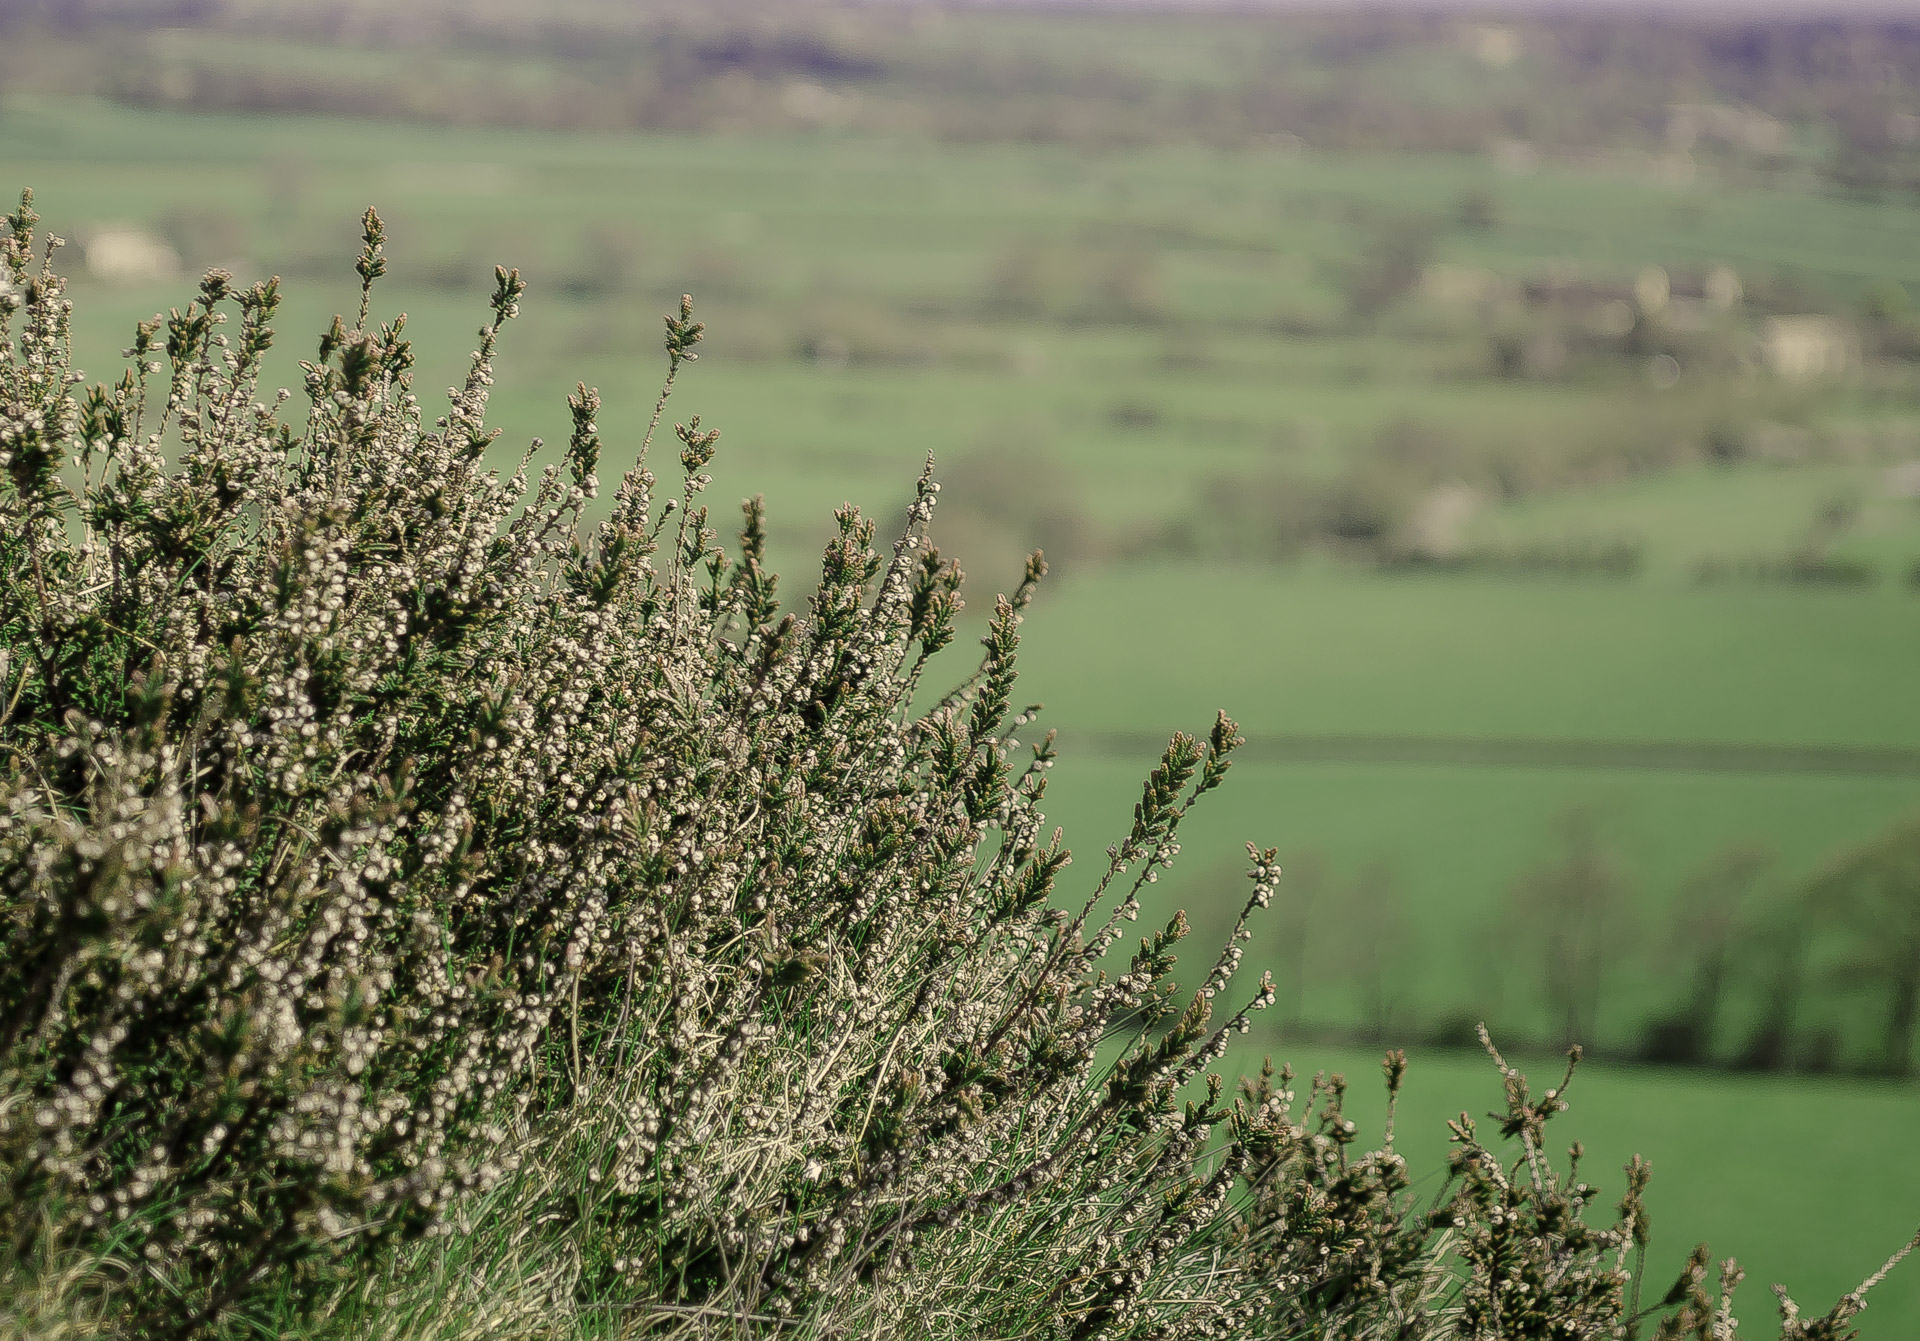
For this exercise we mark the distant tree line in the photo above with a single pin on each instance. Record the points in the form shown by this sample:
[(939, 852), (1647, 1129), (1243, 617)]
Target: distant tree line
[(1819, 973)]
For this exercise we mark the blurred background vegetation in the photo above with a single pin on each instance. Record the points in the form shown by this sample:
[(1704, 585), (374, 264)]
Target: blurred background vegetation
[(1513, 420)]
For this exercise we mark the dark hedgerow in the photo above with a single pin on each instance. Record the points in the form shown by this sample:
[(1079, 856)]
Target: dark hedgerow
[(429, 913)]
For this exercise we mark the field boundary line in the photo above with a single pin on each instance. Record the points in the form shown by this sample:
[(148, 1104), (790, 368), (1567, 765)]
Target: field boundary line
[(1527, 752)]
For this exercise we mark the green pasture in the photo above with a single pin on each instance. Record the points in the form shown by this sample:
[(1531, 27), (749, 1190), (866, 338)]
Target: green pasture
[(888, 251), (1455, 839), (1328, 650), (872, 301), (1703, 512)]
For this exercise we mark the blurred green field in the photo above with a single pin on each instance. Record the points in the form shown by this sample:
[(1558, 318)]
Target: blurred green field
[(862, 292), (1330, 650), (1454, 837), (1125, 335), (865, 310)]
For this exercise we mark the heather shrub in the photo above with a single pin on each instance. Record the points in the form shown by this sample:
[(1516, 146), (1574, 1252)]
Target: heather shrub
[(442, 905)]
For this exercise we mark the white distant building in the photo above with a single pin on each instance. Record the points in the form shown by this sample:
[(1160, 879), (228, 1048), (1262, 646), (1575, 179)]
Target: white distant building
[(1439, 522), (1903, 480), (1460, 284), (128, 256), (1722, 288), (1494, 45), (1805, 348), (1652, 287)]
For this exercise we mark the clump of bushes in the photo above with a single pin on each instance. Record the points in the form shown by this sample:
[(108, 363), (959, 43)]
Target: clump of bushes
[(432, 912), (1800, 568), (1811, 562), (1573, 557)]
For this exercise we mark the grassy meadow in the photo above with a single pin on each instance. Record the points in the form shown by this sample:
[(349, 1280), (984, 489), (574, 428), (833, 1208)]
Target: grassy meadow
[(1098, 347)]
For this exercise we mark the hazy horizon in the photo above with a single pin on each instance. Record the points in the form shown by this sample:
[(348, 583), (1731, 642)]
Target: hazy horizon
[(1766, 9)]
